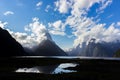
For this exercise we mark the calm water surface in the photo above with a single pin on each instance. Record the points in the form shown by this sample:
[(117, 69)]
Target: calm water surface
[(56, 69)]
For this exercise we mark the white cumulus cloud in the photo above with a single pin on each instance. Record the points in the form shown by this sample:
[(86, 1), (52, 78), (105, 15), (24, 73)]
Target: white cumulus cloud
[(8, 13), (118, 23), (62, 6), (38, 31), (104, 4), (39, 4), (47, 8), (79, 7), (3, 24), (55, 32), (57, 28)]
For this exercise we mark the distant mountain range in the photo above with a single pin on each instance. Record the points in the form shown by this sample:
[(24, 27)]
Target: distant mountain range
[(10, 47), (93, 49)]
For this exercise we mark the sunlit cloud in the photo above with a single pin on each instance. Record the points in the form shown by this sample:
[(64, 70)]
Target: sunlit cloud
[(57, 28), (3, 24), (118, 23), (47, 8), (104, 4), (39, 4), (8, 13), (62, 6)]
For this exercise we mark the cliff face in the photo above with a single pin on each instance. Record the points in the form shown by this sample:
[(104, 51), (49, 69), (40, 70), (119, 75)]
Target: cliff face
[(9, 46)]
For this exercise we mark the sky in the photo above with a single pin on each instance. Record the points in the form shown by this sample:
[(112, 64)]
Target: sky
[(69, 22)]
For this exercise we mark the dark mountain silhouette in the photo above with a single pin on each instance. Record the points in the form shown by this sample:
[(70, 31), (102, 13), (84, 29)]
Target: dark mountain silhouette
[(48, 48), (9, 46)]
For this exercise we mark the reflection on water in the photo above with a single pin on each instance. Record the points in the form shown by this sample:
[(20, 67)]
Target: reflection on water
[(51, 69), (38, 69), (61, 68), (28, 70)]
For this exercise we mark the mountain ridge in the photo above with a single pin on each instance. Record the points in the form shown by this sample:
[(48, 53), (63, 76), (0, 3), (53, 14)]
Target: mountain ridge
[(95, 49)]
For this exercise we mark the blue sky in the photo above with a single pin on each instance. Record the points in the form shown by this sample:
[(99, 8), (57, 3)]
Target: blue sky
[(70, 22)]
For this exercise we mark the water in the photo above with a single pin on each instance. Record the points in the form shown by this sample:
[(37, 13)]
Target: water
[(44, 69), (71, 57), (79, 67), (57, 68)]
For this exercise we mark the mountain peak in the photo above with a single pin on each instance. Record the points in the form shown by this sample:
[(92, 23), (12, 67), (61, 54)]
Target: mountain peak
[(48, 48), (48, 36)]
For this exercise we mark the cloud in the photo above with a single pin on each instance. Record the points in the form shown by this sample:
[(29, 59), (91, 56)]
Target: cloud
[(62, 6), (104, 4), (79, 7), (8, 13), (55, 32), (47, 8), (39, 4), (118, 23), (38, 31), (22, 38), (36, 27), (110, 16), (57, 25), (70, 36), (3, 24), (57, 28)]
